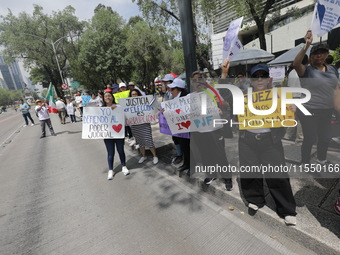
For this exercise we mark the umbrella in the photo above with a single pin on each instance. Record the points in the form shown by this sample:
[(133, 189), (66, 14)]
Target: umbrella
[(251, 56), (288, 57)]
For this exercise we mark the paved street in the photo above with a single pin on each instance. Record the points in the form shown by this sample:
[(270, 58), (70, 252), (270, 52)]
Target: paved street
[(56, 200)]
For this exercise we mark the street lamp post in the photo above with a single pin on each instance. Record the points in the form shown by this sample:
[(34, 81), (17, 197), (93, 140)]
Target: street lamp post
[(53, 49)]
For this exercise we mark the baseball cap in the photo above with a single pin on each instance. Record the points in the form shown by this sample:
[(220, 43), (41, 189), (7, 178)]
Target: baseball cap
[(131, 83), (122, 84), (319, 46), (177, 83), (259, 67), (168, 77)]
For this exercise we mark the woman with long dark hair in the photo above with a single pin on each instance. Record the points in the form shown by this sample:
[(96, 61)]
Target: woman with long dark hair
[(112, 142)]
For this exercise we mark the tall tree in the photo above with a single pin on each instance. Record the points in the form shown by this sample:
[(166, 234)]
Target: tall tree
[(102, 56), (40, 39)]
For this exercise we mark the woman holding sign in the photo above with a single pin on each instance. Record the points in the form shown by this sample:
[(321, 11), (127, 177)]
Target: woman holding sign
[(111, 143), (260, 149), (143, 135)]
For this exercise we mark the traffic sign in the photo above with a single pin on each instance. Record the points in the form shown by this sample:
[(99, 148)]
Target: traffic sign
[(64, 86), (75, 84)]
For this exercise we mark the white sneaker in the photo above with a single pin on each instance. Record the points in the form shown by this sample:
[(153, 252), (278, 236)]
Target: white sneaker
[(253, 207), (32, 125), (25, 125), (290, 220), (137, 146), (125, 170), (132, 143), (155, 160), (110, 175), (141, 160)]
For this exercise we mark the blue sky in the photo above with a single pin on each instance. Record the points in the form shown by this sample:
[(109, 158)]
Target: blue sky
[(84, 8)]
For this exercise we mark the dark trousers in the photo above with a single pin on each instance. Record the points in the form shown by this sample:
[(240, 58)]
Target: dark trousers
[(128, 132), (27, 115), (110, 147), (49, 124), (185, 147), (255, 152), (73, 118), (316, 127)]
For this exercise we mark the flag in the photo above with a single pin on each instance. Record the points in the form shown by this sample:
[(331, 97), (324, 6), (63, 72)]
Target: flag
[(50, 97), (325, 17)]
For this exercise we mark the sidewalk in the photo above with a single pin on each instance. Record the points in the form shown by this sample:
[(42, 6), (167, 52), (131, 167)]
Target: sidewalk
[(318, 225)]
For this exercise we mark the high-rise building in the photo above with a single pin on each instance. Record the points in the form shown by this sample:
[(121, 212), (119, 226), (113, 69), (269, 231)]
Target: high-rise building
[(285, 27), (11, 75)]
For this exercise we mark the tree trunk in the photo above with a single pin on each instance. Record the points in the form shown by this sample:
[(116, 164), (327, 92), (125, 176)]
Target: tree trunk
[(262, 38)]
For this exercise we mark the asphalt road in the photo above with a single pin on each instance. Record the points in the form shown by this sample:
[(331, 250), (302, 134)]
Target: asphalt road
[(55, 199)]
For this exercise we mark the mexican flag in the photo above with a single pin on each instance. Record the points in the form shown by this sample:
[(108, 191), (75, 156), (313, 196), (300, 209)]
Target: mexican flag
[(50, 97)]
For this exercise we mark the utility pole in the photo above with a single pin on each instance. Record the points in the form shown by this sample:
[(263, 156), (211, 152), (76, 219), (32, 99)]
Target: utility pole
[(188, 38)]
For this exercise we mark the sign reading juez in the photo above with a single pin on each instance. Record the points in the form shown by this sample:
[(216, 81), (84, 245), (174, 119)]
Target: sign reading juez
[(231, 36), (139, 110), (184, 114), (103, 122)]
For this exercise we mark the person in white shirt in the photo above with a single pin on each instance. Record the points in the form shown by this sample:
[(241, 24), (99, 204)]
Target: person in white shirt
[(44, 118), (70, 110), (61, 110)]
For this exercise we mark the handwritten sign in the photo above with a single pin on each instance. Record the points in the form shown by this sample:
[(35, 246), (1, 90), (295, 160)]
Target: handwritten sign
[(231, 36), (139, 110), (184, 114), (103, 123), (165, 129), (120, 95), (263, 100)]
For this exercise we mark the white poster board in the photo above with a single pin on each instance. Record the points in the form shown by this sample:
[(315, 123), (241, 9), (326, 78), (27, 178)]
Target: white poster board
[(184, 114), (231, 36), (103, 123), (139, 110)]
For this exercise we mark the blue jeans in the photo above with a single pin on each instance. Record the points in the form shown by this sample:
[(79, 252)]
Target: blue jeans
[(73, 118), (110, 147), (27, 115)]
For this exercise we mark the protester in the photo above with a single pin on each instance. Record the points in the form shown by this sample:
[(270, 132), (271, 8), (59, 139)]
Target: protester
[(111, 143), (70, 110), (79, 104), (143, 135), (122, 87), (25, 110), (242, 82), (177, 89), (61, 110), (95, 100), (44, 118), (168, 79), (263, 147), (316, 127)]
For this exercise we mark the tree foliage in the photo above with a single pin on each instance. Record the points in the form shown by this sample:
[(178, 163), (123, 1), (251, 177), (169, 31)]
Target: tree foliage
[(8, 97), (32, 38)]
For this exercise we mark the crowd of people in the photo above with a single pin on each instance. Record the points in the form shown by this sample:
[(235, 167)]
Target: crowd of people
[(260, 146)]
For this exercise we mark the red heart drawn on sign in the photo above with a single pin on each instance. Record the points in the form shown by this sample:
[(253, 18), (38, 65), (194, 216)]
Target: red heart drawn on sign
[(186, 124), (178, 111), (117, 128)]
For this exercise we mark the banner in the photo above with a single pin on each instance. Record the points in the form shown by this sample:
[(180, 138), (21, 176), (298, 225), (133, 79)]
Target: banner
[(231, 36), (263, 100), (325, 17), (139, 110), (120, 95), (164, 128), (103, 123), (184, 114)]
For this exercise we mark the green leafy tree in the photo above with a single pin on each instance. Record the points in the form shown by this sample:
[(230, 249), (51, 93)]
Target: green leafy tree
[(102, 56), (32, 38)]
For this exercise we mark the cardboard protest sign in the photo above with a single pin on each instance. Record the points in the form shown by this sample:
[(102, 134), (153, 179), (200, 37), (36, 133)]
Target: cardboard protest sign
[(326, 16), (231, 36), (120, 95), (165, 129), (263, 100), (184, 114), (139, 110), (103, 123)]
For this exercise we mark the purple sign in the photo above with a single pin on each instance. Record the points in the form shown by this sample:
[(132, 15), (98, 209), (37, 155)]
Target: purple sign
[(164, 128)]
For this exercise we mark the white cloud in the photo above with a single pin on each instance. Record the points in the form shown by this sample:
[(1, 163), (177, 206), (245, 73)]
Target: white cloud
[(84, 8)]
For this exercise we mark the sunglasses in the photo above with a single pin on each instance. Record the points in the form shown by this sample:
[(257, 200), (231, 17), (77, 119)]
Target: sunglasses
[(258, 76)]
